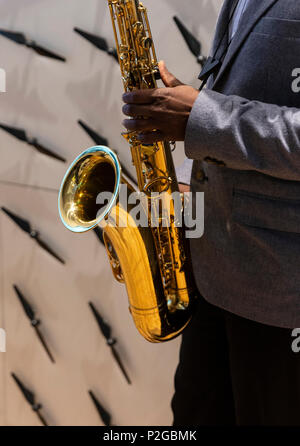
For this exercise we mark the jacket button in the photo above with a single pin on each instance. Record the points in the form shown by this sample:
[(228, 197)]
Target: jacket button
[(200, 175)]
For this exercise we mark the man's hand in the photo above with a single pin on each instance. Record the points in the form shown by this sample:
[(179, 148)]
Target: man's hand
[(184, 188), (165, 110)]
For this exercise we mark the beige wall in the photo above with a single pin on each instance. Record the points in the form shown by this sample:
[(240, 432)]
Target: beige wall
[(47, 98)]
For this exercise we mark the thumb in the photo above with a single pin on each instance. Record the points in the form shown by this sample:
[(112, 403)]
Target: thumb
[(168, 78)]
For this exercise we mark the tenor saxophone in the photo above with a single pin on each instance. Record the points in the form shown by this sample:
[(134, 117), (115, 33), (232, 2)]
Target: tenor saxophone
[(151, 261)]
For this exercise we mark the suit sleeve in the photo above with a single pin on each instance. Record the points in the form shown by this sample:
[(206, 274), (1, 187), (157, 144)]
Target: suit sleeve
[(184, 172), (245, 135)]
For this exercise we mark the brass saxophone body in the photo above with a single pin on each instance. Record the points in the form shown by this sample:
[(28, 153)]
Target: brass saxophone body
[(151, 261)]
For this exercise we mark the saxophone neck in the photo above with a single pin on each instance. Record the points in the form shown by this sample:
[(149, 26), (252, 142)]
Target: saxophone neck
[(137, 57)]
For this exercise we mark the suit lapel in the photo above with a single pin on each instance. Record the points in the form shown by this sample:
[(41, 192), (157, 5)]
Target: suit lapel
[(255, 10), (219, 39), (221, 25)]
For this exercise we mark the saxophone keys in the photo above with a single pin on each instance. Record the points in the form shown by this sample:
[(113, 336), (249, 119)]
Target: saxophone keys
[(113, 260), (148, 170), (146, 43), (156, 74), (163, 182), (149, 150)]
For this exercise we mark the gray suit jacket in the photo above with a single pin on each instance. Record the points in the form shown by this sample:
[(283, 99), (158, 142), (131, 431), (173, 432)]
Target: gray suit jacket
[(244, 137)]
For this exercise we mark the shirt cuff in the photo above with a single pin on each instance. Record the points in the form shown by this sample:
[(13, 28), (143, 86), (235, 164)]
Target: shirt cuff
[(184, 172)]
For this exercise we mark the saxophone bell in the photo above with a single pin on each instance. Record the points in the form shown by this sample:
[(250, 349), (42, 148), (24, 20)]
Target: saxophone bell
[(94, 171)]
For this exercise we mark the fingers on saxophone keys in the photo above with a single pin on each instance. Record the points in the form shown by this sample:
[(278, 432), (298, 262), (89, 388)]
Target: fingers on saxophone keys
[(136, 110), (136, 125), (139, 97), (151, 137)]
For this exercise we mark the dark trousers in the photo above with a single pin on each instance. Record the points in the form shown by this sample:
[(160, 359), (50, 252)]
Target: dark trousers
[(235, 372)]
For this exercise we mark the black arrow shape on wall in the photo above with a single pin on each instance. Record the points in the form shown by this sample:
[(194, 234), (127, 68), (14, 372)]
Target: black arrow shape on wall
[(26, 227), (103, 413), (30, 313), (30, 398), (21, 39), (192, 42), (22, 136), (111, 342), (98, 42)]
